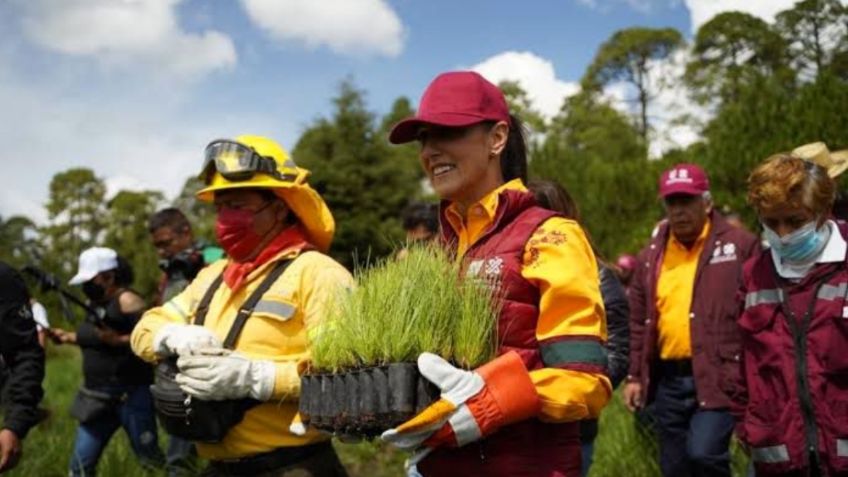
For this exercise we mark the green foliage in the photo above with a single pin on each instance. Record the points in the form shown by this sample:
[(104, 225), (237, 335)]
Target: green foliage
[(76, 212), (519, 105), (364, 181), (594, 152), (626, 56), (405, 306), (769, 118), (732, 49), (814, 30), (19, 243), (126, 233), (201, 215)]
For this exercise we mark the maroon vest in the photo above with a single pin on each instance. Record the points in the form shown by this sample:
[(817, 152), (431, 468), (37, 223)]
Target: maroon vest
[(531, 447), (795, 386)]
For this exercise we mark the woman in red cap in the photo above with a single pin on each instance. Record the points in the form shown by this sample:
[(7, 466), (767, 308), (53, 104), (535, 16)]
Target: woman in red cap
[(518, 414)]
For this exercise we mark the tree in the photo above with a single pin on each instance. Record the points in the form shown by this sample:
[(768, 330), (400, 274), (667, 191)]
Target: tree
[(519, 104), (75, 210), (600, 158), (126, 233), (19, 241), (627, 56), (814, 30), (365, 182), (201, 215), (728, 51)]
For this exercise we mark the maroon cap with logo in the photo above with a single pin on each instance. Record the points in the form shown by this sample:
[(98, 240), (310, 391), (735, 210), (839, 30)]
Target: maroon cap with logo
[(684, 179), (454, 99)]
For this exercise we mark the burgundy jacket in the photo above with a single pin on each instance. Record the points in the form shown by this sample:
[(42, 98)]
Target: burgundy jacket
[(794, 397), (714, 333), (531, 447)]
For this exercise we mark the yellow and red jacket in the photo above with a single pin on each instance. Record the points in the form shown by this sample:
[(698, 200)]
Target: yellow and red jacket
[(552, 315), (277, 331)]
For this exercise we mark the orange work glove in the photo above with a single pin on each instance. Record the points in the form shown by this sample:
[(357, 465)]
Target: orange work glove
[(473, 404)]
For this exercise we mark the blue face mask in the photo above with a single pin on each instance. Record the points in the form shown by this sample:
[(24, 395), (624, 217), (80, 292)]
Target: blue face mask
[(801, 245)]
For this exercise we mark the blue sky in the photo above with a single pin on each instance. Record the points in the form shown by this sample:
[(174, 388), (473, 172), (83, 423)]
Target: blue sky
[(134, 89)]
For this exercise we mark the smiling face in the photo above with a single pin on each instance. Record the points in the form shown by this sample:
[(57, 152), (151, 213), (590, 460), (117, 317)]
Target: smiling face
[(463, 164)]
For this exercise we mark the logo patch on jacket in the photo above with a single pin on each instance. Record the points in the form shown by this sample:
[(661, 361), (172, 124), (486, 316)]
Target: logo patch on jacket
[(723, 253), (490, 268)]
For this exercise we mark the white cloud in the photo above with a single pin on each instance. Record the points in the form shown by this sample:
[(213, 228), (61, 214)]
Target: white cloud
[(534, 74), (674, 118), (133, 138), (126, 34), (702, 11), (349, 27)]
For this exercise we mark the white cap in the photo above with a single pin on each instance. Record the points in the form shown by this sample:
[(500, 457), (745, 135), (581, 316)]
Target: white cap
[(94, 261)]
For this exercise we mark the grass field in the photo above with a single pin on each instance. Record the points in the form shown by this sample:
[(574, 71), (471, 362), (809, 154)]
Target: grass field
[(621, 450)]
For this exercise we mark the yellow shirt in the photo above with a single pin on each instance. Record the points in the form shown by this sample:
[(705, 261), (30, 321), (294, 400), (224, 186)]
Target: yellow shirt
[(559, 261), (674, 295), (276, 331)]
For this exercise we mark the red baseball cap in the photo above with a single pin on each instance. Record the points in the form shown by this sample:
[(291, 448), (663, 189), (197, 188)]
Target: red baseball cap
[(684, 179), (454, 99)]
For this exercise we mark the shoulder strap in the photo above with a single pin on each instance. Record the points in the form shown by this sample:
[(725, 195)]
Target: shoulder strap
[(247, 308), (203, 307)]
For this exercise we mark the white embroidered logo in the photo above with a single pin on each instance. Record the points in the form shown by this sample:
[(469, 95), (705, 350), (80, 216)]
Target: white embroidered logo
[(474, 268), (494, 266), (724, 253), (678, 175)]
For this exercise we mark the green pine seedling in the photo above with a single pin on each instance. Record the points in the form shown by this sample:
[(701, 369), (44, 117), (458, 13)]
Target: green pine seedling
[(405, 306)]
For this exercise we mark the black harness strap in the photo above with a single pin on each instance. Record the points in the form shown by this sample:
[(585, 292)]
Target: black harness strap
[(203, 307), (246, 309), (248, 306)]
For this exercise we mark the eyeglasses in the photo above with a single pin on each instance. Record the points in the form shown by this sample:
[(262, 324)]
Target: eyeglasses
[(238, 162)]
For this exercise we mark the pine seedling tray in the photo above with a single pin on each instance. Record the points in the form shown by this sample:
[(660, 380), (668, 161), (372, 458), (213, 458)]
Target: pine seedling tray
[(367, 401)]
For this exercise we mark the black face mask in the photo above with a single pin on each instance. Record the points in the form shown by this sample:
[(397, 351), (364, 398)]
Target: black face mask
[(93, 291)]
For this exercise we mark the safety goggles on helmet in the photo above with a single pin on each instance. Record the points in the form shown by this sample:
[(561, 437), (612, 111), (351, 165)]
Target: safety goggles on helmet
[(238, 162)]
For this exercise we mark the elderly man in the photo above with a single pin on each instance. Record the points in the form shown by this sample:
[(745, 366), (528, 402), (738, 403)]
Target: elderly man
[(684, 344), (240, 328)]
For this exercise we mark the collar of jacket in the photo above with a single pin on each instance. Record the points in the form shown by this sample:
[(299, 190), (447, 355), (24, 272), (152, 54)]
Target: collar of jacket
[(511, 202)]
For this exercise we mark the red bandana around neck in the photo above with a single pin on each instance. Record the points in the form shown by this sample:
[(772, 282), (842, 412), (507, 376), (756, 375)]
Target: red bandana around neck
[(291, 239)]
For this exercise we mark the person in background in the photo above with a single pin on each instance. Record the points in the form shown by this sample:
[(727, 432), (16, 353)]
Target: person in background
[(517, 414), (116, 385), (684, 341), (552, 196), (23, 360), (180, 259), (625, 267), (792, 400), (421, 224), (180, 256), (275, 230)]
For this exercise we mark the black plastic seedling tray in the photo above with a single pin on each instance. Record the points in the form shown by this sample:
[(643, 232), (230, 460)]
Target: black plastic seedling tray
[(367, 401)]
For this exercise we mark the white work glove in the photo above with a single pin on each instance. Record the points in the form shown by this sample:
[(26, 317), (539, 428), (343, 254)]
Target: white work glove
[(175, 339), (216, 374)]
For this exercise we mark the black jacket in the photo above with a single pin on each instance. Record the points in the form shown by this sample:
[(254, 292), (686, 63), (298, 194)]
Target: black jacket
[(23, 357), (104, 365), (618, 325)]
